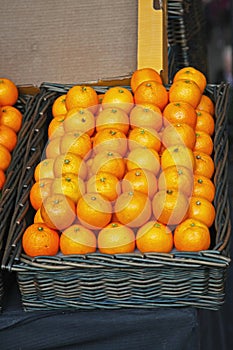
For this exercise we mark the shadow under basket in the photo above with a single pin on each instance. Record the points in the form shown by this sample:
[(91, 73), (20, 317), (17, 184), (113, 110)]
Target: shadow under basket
[(135, 280)]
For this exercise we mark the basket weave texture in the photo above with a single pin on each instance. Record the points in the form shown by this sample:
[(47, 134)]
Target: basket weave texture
[(125, 280)]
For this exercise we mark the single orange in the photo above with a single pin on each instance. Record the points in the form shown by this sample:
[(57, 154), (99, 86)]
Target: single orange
[(76, 142), (82, 96), (80, 119), (133, 208), (141, 180), (154, 237), (145, 116), (179, 112), (39, 191), (204, 143), (185, 90), (116, 238), (8, 137), (5, 158), (205, 122), (8, 92), (170, 206), (70, 163), (110, 162), (144, 74), (59, 106), (151, 92), (94, 211), (77, 239), (202, 210), (194, 74), (144, 158), (44, 169), (118, 96), (112, 117), (58, 211), (56, 126), (204, 164), (12, 117), (206, 104), (38, 239), (144, 137), (179, 134), (2, 178), (52, 149), (179, 155), (191, 236), (203, 187), (178, 178), (104, 183), (110, 139), (69, 185)]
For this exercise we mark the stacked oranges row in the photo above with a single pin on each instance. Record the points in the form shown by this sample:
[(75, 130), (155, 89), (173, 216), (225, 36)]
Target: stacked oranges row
[(10, 124), (128, 169)]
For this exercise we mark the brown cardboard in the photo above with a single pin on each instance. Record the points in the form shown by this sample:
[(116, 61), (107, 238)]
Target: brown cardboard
[(68, 41)]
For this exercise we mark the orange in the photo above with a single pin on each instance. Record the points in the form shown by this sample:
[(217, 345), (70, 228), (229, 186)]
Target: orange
[(112, 117), (5, 158), (58, 211), (56, 126), (39, 191), (204, 164), (110, 139), (154, 237), (59, 106), (202, 210), (118, 96), (144, 74), (110, 162), (76, 142), (179, 134), (82, 96), (69, 185), (133, 208), (37, 217), (177, 155), (191, 236), (170, 206), (203, 187), (185, 90), (80, 119), (151, 92), (52, 149), (144, 158), (179, 112), (44, 169), (8, 137), (178, 178), (38, 239), (205, 122), (146, 116), (104, 183), (206, 104), (77, 239), (70, 163), (141, 180), (144, 137), (8, 92), (194, 74), (12, 117), (116, 238), (94, 211), (204, 143), (2, 178)]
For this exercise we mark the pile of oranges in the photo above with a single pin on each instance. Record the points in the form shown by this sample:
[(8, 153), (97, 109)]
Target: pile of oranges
[(128, 169), (10, 124)]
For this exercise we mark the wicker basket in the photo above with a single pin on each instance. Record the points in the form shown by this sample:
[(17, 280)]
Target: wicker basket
[(9, 190), (125, 280), (186, 33)]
